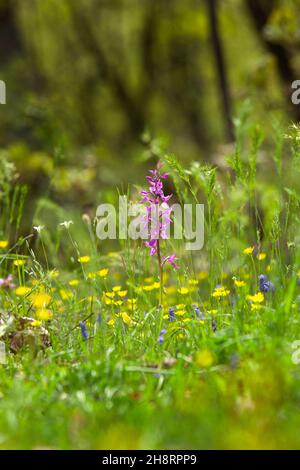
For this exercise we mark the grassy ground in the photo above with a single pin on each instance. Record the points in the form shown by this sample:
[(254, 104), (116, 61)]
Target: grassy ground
[(224, 374)]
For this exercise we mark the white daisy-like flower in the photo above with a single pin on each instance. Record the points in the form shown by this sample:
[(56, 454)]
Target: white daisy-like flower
[(38, 228), (66, 223)]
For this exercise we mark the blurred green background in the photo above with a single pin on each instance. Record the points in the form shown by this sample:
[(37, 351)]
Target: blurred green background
[(86, 80)]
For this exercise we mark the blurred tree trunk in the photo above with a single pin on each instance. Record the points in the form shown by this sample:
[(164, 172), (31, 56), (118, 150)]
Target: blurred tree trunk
[(221, 72), (185, 89), (260, 11), (148, 59), (183, 84), (9, 38), (129, 103)]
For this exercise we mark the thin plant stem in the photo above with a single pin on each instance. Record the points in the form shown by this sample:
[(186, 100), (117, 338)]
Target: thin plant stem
[(161, 274)]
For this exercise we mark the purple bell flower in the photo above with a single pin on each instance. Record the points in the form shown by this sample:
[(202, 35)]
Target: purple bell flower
[(265, 285), (171, 314), (161, 336), (84, 331), (198, 313)]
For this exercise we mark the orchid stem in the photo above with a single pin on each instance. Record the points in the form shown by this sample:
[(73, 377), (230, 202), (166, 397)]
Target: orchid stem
[(161, 275)]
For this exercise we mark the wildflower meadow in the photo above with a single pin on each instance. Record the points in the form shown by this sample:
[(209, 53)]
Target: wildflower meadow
[(149, 226), (113, 349)]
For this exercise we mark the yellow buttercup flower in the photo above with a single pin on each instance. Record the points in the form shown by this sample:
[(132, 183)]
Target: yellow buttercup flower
[(148, 288), (116, 288), (238, 283), (111, 322), (22, 290), (3, 244), (110, 295), (261, 256), (122, 293), (102, 272), (126, 318), (36, 323), (44, 314), (40, 300), (183, 290), (180, 313), (220, 292), (256, 298), (180, 306), (19, 262), (73, 282), (65, 294), (249, 250), (204, 358), (131, 304), (84, 259)]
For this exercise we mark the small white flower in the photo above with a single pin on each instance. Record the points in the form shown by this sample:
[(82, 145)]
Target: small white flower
[(38, 228), (66, 223)]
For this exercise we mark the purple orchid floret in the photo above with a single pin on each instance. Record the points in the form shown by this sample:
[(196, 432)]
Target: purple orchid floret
[(153, 246), (171, 259), (158, 213)]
